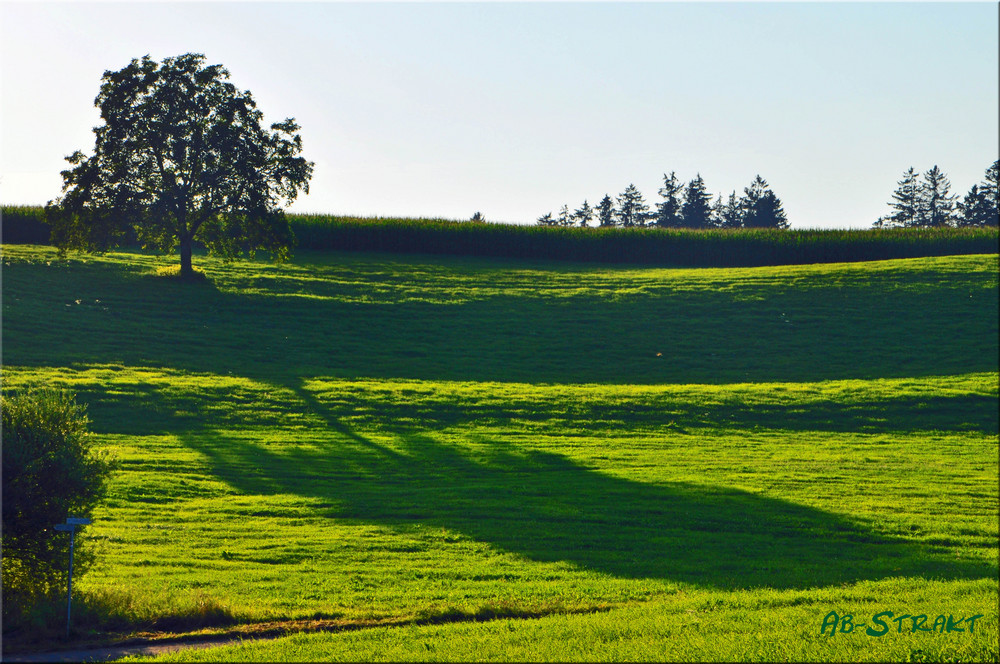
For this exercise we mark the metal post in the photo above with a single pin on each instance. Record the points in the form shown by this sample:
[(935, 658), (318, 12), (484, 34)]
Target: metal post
[(69, 586), (70, 525)]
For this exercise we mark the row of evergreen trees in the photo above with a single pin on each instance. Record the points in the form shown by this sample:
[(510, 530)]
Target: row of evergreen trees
[(930, 203), (681, 206)]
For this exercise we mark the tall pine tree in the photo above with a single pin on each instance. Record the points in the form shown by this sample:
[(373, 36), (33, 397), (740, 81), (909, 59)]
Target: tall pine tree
[(584, 214), (980, 207), (761, 207), (696, 212), (936, 201), (905, 203), (606, 212), (731, 213), (564, 218), (632, 208), (750, 197), (717, 211), (668, 211), (767, 212)]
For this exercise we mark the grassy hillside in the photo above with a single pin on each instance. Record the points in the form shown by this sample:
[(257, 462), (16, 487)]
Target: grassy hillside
[(656, 463)]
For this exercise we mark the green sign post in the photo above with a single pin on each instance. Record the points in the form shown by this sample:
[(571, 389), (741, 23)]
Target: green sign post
[(70, 525)]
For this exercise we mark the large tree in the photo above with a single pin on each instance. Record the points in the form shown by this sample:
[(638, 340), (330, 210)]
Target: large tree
[(181, 158)]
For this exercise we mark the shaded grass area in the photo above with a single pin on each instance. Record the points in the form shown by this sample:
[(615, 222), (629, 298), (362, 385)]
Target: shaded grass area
[(363, 437), (457, 320)]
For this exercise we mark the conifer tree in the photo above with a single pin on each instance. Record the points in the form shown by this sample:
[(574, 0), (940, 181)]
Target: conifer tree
[(761, 207), (937, 202), (750, 197), (731, 213), (584, 214), (564, 218), (980, 207), (906, 203), (632, 208), (991, 185), (767, 212), (973, 208), (668, 211), (546, 220), (696, 212), (606, 212), (717, 210)]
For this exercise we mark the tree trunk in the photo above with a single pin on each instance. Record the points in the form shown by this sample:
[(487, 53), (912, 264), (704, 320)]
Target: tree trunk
[(186, 269)]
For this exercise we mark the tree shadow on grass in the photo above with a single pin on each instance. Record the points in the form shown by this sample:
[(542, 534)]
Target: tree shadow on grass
[(138, 407), (547, 508)]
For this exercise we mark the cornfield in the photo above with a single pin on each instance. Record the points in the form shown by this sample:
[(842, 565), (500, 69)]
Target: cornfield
[(644, 246)]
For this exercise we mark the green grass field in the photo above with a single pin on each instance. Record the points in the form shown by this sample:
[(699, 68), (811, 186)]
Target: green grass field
[(608, 462)]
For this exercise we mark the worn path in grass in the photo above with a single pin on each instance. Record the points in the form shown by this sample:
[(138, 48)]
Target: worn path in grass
[(115, 652), (162, 644)]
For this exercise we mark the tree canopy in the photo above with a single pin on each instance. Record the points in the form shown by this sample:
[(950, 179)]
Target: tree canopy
[(980, 206), (696, 211), (762, 209), (181, 158), (632, 208), (682, 206), (668, 211), (930, 203)]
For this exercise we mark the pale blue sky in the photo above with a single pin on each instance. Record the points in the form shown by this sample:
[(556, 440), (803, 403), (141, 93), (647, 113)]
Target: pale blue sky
[(513, 109)]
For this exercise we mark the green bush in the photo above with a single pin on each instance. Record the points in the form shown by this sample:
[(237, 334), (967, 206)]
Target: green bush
[(50, 471)]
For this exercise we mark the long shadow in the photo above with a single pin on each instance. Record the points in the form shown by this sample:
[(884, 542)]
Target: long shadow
[(547, 508), (145, 408)]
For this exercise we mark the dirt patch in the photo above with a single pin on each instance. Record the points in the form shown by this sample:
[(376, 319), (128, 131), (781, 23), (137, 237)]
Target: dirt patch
[(158, 644), (114, 652)]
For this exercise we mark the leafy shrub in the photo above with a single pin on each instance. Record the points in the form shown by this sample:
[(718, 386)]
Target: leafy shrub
[(50, 471)]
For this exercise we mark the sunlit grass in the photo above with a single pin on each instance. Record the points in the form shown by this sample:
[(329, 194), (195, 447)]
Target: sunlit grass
[(708, 626)]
